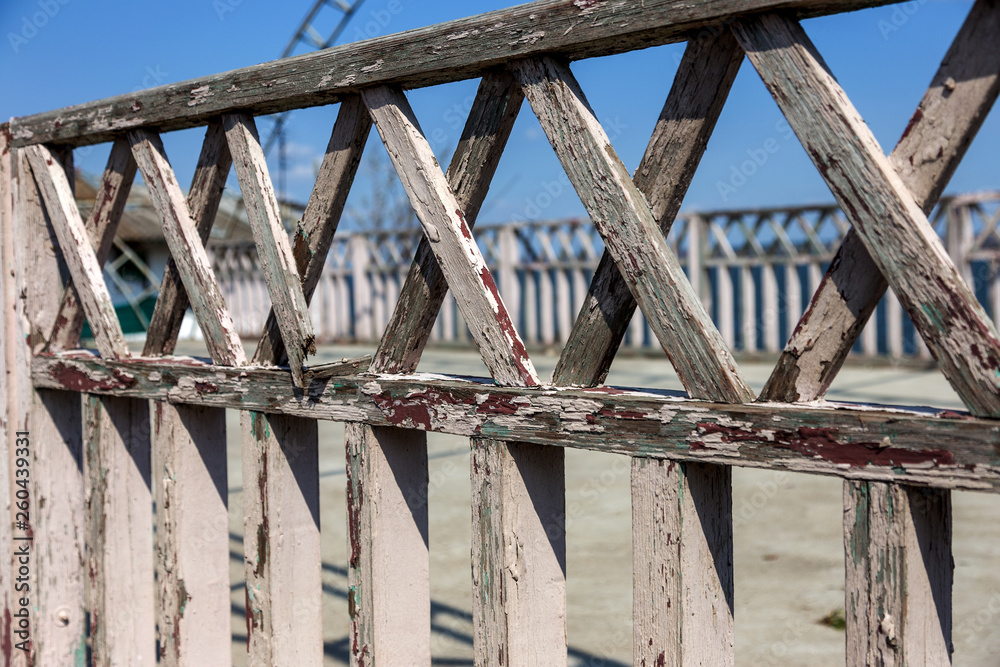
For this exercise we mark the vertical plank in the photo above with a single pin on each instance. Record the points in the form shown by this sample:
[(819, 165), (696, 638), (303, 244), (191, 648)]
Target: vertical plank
[(899, 574), (893, 325), (726, 307), (546, 300), (518, 554), (376, 457), (121, 595), (361, 290), (54, 421), (793, 297), (192, 535), (283, 570), (281, 274), (748, 307), (769, 294)]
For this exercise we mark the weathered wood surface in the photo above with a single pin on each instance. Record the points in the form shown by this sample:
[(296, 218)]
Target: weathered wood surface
[(890, 223), (897, 541), (119, 528), (696, 98), (470, 173), (445, 227), (518, 554), (281, 275), (389, 597), (203, 201), (9, 390), (315, 231), (77, 250), (950, 114), (946, 450), (187, 250), (675, 313), (192, 535), (102, 223), (379, 622), (281, 538), (438, 54), (53, 418)]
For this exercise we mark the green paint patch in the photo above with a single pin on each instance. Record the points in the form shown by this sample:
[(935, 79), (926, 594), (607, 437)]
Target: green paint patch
[(931, 311), (836, 619)]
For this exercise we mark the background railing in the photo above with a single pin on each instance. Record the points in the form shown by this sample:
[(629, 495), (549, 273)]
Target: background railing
[(754, 270)]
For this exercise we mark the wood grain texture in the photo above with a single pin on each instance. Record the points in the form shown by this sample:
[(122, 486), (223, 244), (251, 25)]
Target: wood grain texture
[(192, 535), (281, 538), (101, 225), (518, 554), (899, 574), (438, 54), (619, 211), (924, 447), (119, 528), (389, 597), (890, 223), (445, 227), (54, 420), (284, 285), (203, 200), (470, 173), (78, 252), (187, 250), (8, 396), (315, 231), (950, 114), (696, 98)]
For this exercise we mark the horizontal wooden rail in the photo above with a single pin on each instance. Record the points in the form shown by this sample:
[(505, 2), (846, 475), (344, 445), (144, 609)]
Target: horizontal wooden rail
[(438, 54), (939, 449)]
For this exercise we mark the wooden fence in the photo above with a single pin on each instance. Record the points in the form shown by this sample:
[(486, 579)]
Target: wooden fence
[(94, 438), (752, 269)]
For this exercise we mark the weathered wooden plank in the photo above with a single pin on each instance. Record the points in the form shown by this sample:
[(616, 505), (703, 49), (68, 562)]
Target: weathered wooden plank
[(315, 231), (389, 603), (518, 553), (187, 250), (75, 243), (438, 54), (897, 540), (477, 155), (203, 200), (284, 285), (621, 214), (444, 225), (961, 93), (102, 223), (53, 418), (385, 622), (688, 117), (192, 535), (281, 538), (946, 450), (119, 528)]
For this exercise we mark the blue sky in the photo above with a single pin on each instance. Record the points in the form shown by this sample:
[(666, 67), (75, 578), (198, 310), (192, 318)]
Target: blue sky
[(56, 53)]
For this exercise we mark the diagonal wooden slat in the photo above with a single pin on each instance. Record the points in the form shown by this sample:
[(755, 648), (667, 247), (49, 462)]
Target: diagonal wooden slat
[(315, 231), (389, 582), (288, 303), (621, 214), (78, 251), (102, 223), (203, 200), (699, 91), (445, 227), (893, 228), (950, 114), (188, 252), (477, 155)]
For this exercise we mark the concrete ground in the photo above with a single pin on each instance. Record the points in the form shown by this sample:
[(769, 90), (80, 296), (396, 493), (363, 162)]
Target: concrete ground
[(788, 540)]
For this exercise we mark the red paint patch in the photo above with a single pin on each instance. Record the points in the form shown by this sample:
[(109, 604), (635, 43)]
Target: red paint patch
[(206, 388), (519, 354), (622, 414), (74, 379)]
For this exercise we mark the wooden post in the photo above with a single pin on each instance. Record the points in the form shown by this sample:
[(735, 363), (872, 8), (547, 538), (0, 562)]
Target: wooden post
[(361, 288)]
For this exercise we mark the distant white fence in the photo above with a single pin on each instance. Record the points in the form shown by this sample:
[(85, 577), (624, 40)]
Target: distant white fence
[(754, 269)]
